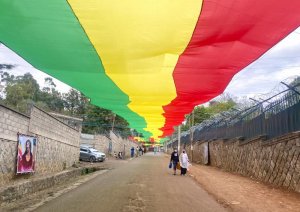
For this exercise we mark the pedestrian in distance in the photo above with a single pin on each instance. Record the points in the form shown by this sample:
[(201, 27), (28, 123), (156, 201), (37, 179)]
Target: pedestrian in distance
[(137, 151), (184, 162), (132, 152), (120, 155), (174, 160), (140, 151)]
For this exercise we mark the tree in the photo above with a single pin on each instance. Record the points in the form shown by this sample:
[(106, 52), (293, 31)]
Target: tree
[(75, 102), (100, 120), (6, 78), (49, 85), (49, 98), (6, 66), (223, 103), (20, 91), (97, 120), (201, 113)]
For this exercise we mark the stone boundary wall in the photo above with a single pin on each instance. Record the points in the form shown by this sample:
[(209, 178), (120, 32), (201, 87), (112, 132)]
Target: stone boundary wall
[(122, 145), (101, 142), (275, 161), (200, 152), (11, 123), (17, 191), (57, 147), (42, 123), (58, 143)]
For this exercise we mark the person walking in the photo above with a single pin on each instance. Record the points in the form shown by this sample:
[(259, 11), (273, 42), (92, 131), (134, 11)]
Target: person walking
[(132, 152), (174, 160), (184, 162), (137, 151), (120, 155)]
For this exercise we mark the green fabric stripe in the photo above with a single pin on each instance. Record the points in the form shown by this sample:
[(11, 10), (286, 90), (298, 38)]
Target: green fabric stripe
[(48, 36)]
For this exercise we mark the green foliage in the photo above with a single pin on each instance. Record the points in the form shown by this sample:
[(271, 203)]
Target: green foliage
[(295, 84), (19, 91), (224, 103), (97, 120), (201, 113), (100, 120), (6, 66), (75, 102), (218, 107)]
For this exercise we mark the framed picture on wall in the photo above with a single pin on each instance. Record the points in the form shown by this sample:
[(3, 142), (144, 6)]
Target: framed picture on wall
[(26, 154)]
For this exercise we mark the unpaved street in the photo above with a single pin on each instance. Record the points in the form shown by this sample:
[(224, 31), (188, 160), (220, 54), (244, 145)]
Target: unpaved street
[(141, 184)]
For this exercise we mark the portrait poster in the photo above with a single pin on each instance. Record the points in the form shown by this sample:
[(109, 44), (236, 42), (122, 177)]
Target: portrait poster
[(26, 154)]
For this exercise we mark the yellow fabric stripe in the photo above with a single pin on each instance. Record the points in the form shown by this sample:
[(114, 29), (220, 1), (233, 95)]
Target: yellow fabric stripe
[(139, 42)]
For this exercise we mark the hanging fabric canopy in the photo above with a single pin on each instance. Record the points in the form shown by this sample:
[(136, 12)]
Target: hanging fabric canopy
[(149, 61)]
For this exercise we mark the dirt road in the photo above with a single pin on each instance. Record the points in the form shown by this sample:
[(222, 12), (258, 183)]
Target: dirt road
[(244, 194), (141, 184)]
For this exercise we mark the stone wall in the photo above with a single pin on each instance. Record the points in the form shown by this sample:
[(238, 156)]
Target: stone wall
[(58, 143), (11, 123), (42, 123), (101, 142), (200, 153), (122, 145), (18, 190), (57, 147), (275, 161)]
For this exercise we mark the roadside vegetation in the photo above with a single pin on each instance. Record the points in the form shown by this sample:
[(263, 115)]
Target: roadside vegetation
[(19, 92)]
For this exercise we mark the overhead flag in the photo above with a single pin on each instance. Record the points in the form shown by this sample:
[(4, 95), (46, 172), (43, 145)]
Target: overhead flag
[(150, 62)]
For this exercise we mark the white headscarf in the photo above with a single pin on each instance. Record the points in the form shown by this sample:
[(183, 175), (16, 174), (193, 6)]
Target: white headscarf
[(184, 160)]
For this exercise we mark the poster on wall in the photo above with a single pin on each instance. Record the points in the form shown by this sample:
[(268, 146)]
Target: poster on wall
[(26, 154)]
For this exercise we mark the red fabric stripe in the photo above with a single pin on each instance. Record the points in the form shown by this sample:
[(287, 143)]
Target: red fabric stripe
[(229, 35)]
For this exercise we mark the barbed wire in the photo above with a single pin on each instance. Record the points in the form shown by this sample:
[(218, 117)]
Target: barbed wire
[(281, 97)]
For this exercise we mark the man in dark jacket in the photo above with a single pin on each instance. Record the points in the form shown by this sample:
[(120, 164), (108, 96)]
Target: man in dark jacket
[(132, 152), (174, 160)]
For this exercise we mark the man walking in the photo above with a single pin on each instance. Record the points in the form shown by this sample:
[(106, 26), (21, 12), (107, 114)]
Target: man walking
[(132, 152), (174, 160)]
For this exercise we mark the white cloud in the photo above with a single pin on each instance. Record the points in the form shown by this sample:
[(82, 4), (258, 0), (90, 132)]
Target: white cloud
[(279, 63), (7, 56)]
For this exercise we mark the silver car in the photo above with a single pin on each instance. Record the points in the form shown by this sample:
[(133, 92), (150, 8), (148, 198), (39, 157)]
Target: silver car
[(91, 154)]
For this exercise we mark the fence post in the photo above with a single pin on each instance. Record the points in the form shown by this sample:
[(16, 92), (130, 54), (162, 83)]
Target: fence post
[(179, 135)]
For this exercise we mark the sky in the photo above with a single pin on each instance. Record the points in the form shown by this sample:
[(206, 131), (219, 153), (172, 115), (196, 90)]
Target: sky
[(279, 63)]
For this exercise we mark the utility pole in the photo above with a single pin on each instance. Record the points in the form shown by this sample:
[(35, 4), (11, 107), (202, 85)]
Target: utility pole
[(113, 124), (179, 135), (192, 135), (166, 146)]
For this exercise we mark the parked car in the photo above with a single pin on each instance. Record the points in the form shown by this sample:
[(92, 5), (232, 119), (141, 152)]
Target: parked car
[(90, 154)]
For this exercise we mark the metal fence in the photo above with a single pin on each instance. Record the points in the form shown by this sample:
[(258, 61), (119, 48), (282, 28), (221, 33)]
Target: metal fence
[(275, 115)]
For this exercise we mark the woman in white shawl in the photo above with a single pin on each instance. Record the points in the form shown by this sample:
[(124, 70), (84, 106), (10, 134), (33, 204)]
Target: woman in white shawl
[(184, 162)]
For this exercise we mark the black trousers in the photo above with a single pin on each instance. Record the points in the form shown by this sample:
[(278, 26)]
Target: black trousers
[(183, 171)]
